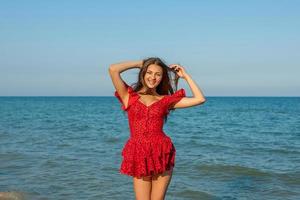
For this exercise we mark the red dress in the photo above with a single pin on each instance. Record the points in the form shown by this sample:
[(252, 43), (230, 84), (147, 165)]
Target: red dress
[(148, 151)]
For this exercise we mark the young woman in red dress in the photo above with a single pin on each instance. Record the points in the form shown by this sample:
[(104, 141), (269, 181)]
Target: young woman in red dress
[(149, 154)]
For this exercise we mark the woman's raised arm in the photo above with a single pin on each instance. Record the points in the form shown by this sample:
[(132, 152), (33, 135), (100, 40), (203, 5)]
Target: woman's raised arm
[(198, 97), (118, 82)]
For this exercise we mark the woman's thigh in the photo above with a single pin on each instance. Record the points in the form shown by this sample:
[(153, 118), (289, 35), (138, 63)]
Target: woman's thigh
[(142, 188), (160, 185)]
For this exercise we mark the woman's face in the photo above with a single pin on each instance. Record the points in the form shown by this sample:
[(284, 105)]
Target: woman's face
[(153, 75)]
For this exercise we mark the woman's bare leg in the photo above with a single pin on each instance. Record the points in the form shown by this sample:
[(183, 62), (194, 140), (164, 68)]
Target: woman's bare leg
[(142, 188), (160, 185)]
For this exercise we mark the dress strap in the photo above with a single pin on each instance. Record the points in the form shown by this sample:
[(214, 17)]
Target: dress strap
[(175, 97), (133, 96)]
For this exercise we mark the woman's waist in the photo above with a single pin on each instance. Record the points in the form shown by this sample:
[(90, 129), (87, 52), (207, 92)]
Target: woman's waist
[(147, 134)]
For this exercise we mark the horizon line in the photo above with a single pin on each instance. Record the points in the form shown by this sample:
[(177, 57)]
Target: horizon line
[(114, 96)]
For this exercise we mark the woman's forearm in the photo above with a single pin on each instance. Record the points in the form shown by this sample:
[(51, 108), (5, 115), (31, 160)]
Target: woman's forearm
[(195, 89), (122, 66)]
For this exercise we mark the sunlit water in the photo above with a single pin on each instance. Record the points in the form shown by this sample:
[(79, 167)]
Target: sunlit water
[(227, 148)]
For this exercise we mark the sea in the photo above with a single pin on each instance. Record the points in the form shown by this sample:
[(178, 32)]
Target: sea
[(231, 148)]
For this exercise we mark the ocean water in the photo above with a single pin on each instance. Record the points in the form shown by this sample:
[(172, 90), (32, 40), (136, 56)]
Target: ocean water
[(228, 148)]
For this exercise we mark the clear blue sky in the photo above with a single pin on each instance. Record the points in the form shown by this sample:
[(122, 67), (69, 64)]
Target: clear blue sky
[(230, 48)]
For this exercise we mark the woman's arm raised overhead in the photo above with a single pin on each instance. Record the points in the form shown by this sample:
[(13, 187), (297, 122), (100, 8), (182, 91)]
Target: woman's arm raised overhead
[(198, 97), (119, 84)]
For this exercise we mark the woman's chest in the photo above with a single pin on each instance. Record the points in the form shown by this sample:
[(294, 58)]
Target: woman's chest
[(157, 109)]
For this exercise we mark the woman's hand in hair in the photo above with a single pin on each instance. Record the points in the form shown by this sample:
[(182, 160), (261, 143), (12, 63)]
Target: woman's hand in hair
[(179, 70)]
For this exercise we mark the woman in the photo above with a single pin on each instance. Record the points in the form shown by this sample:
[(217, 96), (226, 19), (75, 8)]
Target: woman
[(149, 154)]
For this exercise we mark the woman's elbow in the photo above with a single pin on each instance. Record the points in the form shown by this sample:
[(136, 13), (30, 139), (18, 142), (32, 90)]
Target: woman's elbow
[(111, 68), (201, 101)]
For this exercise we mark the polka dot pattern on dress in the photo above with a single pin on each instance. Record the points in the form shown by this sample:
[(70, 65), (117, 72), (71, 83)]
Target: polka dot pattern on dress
[(149, 150)]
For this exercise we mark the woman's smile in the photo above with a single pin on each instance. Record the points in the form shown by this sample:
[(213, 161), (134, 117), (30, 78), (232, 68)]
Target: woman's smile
[(152, 82)]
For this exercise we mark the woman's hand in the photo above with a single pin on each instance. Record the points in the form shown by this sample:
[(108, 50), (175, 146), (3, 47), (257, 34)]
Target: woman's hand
[(179, 70)]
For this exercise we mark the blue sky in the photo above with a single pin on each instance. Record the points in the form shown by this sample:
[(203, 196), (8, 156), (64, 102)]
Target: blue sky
[(230, 48)]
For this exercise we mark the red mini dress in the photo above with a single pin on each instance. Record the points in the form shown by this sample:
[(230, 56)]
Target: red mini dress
[(149, 150)]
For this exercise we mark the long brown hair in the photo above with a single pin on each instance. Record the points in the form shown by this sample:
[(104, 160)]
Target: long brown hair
[(168, 84), (169, 80)]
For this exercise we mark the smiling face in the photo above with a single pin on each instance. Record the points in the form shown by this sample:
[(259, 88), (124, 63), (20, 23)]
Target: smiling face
[(153, 75)]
